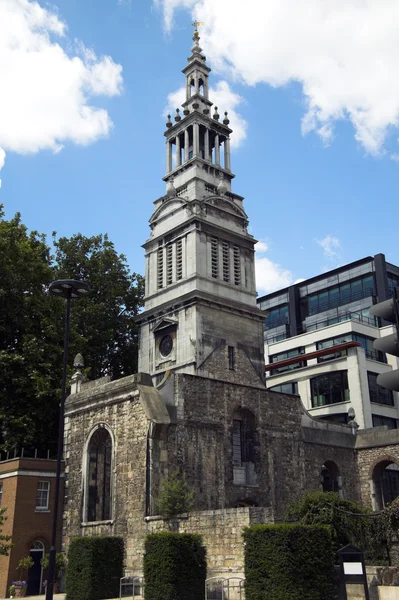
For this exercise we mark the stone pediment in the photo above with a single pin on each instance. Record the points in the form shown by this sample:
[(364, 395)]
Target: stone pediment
[(225, 204), (165, 323), (168, 206)]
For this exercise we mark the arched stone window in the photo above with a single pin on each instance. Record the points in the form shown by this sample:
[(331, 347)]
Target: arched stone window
[(244, 448), (385, 483), (330, 477), (99, 476)]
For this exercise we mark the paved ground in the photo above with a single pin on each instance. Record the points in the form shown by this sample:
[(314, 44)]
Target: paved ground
[(56, 597)]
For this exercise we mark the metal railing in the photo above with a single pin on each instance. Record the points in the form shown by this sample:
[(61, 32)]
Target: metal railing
[(340, 300), (229, 588), (347, 316), (27, 453), (131, 587)]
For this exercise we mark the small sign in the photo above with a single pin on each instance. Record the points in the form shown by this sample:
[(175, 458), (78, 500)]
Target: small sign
[(353, 568)]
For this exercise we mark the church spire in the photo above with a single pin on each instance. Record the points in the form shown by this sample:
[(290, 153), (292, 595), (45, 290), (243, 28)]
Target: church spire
[(197, 141)]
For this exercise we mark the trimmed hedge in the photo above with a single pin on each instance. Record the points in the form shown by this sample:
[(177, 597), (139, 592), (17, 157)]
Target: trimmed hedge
[(95, 566), (289, 562), (174, 567)]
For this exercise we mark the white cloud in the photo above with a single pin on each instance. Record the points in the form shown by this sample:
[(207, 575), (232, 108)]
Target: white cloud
[(343, 53), (225, 99), (261, 246), (45, 90), (270, 276), (331, 247)]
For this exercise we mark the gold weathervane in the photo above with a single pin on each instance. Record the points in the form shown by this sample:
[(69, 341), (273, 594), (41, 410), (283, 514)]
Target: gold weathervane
[(196, 24)]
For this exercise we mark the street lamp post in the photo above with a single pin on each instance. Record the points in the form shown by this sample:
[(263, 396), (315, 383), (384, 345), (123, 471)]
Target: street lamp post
[(69, 289)]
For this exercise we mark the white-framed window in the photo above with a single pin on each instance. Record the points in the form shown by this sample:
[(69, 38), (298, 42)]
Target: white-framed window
[(1, 493), (42, 495)]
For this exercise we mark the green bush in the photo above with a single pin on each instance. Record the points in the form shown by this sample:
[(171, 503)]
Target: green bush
[(347, 525), (289, 562), (175, 496), (174, 567), (95, 566)]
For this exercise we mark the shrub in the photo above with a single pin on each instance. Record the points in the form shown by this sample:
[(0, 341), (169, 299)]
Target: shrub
[(345, 518), (95, 566), (174, 567), (289, 562), (175, 496)]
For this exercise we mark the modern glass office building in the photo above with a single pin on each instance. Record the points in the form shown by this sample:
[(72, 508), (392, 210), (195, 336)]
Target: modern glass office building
[(319, 338)]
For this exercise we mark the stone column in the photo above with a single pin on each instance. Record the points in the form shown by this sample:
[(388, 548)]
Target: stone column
[(227, 154), (168, 156), (186, 145), (178, 151), (195, 139), (207, 145), (217, 150)]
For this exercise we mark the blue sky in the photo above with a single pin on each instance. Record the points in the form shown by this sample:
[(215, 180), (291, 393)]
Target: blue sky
[(320, 190)]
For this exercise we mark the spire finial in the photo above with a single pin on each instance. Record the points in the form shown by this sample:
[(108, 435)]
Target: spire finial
[(196, 24)]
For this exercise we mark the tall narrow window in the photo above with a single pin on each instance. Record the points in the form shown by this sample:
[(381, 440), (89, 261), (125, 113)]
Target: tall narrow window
[(169, 264), (244, 448), (99, 476), (231, 354), (179, 260), (1, 493), (215, 258), (226, 261), (42, 495), (237, 266), (160, 268)]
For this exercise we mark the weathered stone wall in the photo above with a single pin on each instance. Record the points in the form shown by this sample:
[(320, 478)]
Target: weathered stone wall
[(117, 406), (221, 531), (374, 447), (194, 433), (243, 332), (287, 462)]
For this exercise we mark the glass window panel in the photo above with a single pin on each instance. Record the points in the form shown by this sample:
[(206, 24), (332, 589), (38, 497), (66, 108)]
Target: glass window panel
[(329, 388)]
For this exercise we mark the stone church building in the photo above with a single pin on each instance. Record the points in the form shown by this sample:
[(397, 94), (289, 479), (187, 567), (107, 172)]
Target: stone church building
[(199, 402)]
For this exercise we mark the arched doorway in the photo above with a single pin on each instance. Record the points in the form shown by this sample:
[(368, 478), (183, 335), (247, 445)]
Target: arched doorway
[(330, 477), (385, 483), (35, 573)]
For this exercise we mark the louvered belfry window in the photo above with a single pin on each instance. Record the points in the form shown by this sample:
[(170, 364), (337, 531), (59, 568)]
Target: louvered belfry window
[(214, 258), (169, 264), (226, 261), (237, 265), (160, 268), (179, 260)]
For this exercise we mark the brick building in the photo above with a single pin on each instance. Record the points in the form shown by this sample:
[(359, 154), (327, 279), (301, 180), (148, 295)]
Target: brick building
[(200, 401), (27, 492)]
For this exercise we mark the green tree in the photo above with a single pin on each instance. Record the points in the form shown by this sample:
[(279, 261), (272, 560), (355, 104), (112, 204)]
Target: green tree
[(175, 496), (30, 349), (103, 325), (348, 522), (5, 540)]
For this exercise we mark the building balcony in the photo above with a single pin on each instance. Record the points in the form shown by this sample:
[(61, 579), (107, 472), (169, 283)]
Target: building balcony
[(340, 300)]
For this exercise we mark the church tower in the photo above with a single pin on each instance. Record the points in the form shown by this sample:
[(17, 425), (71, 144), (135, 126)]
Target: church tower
[(200, 314)]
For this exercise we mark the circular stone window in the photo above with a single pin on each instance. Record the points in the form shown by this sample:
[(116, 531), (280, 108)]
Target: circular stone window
[(166, 345)]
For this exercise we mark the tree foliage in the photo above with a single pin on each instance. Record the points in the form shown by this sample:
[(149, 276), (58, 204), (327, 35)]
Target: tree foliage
[(175, 496), (32, 325), (5, 540), (328, 508), (350, 523)]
